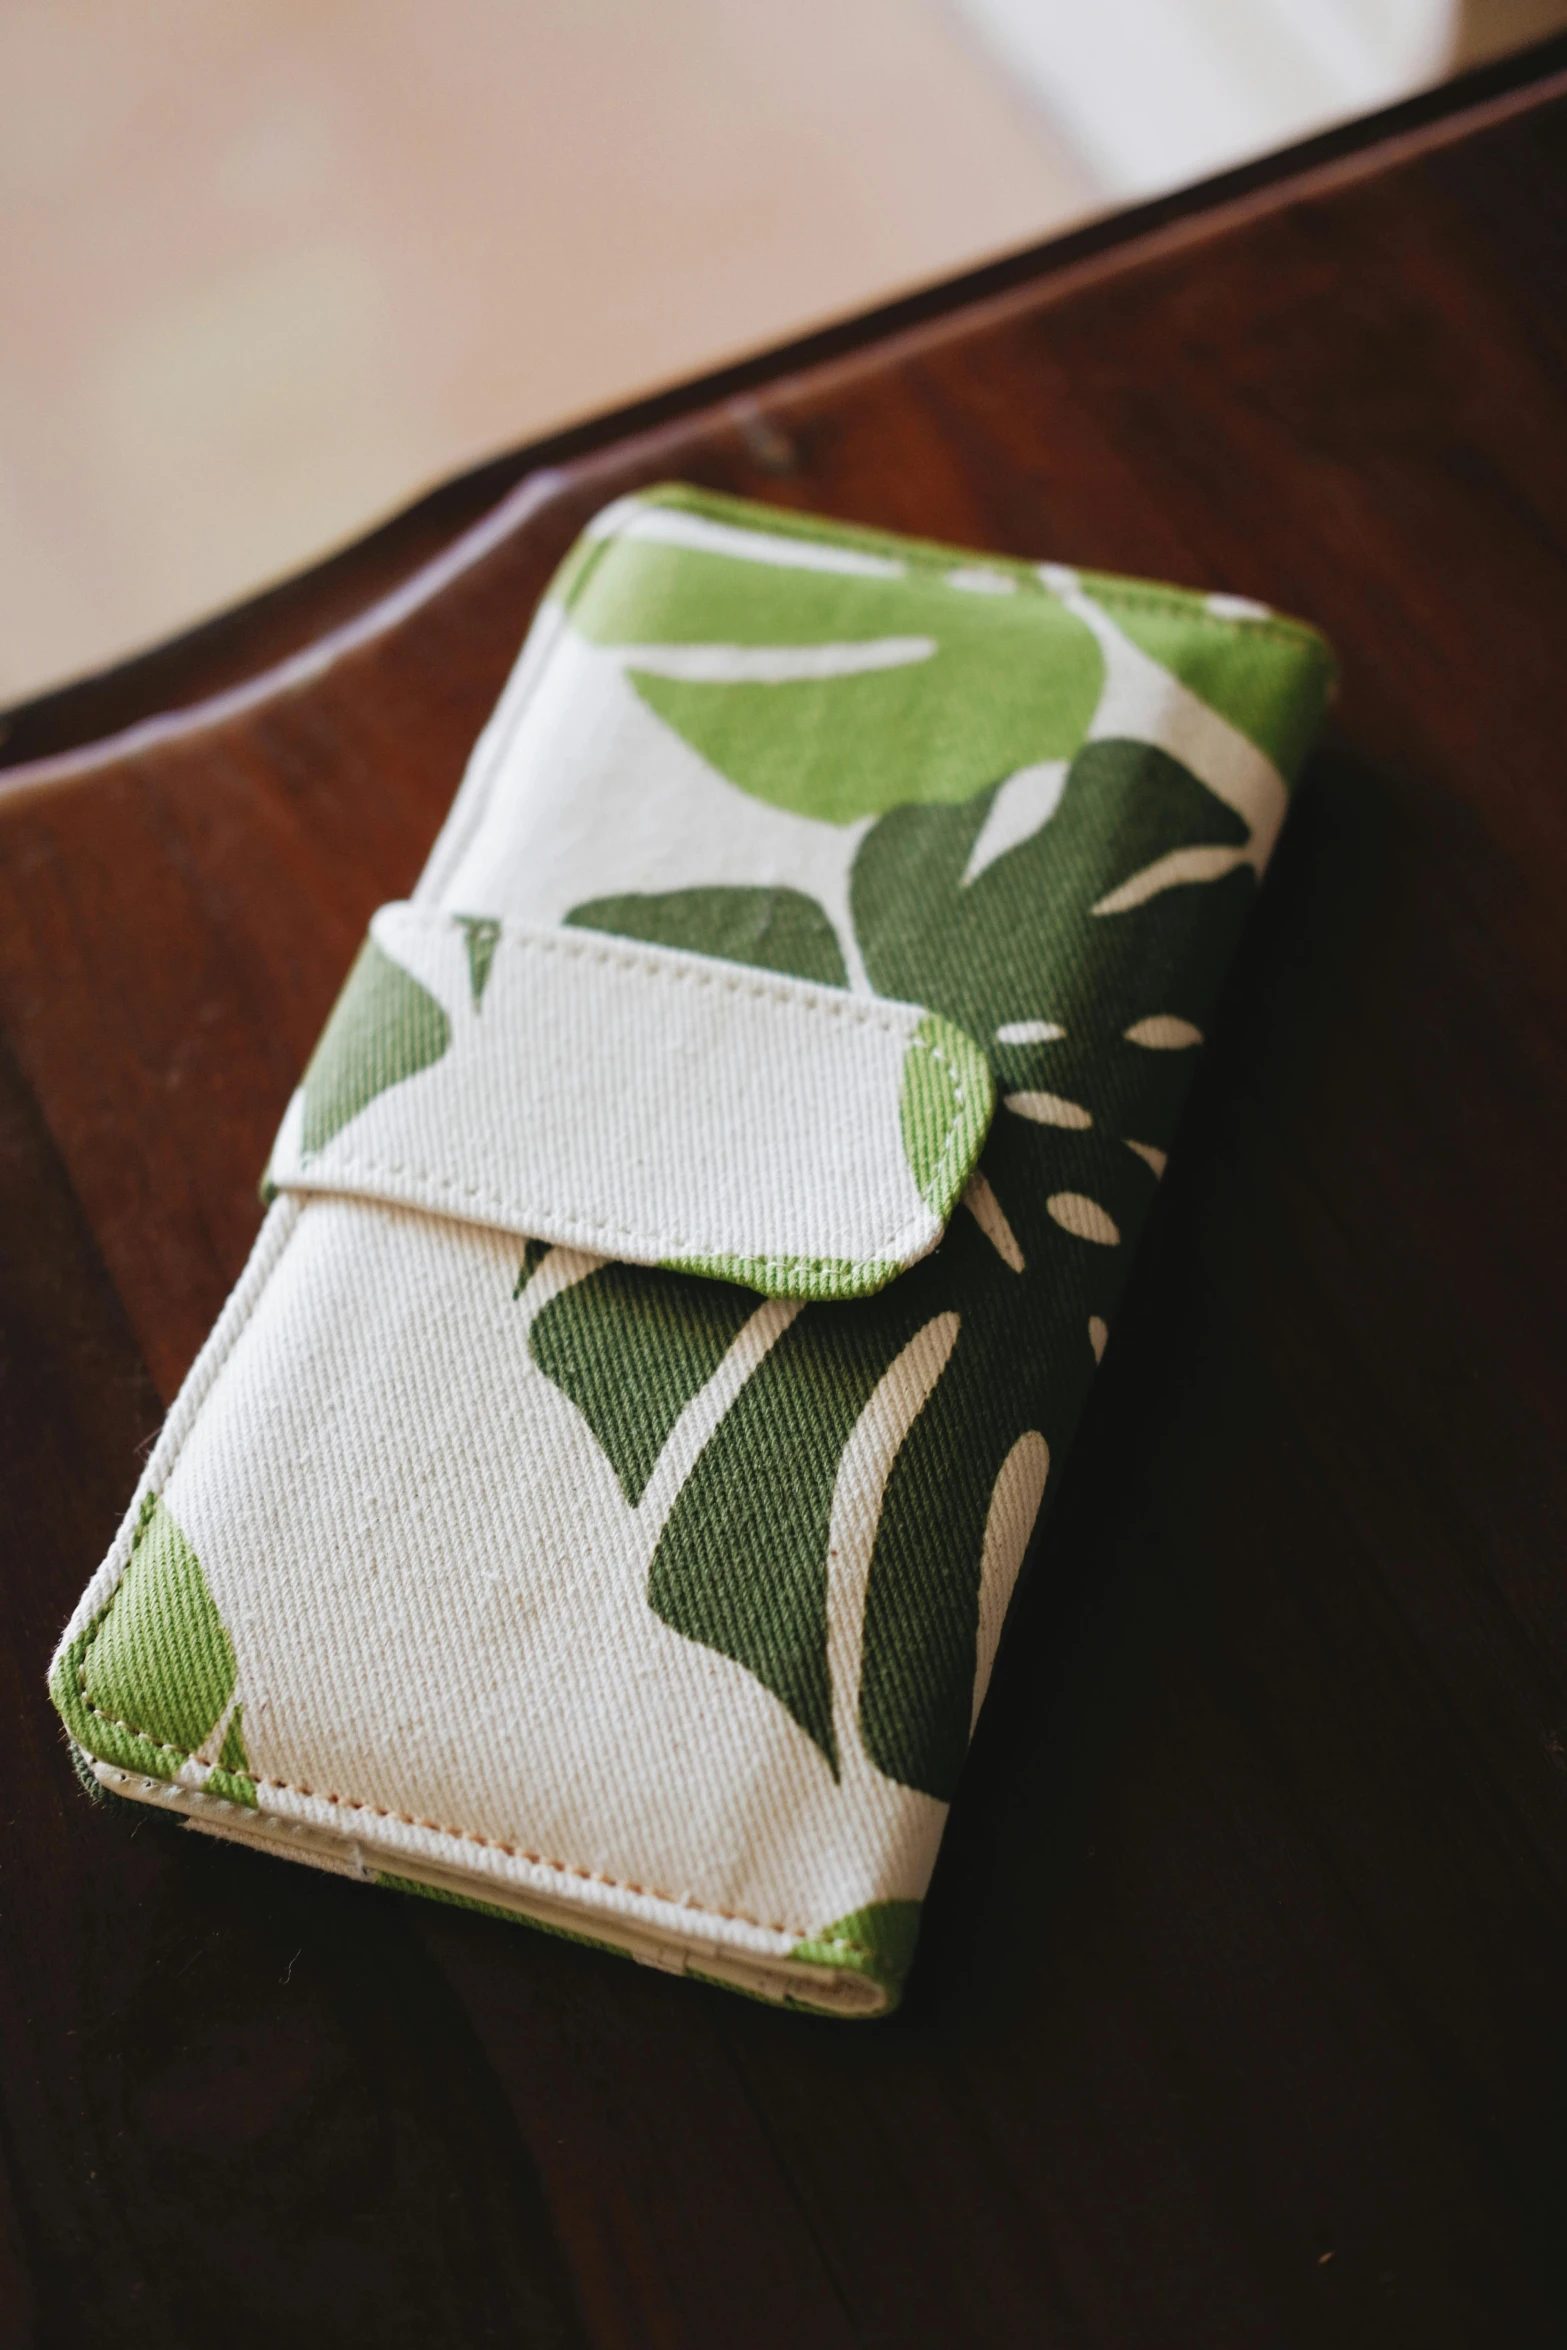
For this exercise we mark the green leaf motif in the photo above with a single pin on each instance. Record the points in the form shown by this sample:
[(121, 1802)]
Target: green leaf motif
[(384, 1027), (631, 1346), (771, 929), (481, 935), (877, 1941), (231, 1754), (1236, 674), (534, 1253), (741, 1565), (1021, 939), (162, 1659), (1018, 947), (147, 1685), (968, 687), (1017, 959)]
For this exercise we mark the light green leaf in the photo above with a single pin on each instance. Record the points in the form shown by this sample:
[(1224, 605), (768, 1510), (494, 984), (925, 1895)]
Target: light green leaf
[(1270, 678), (147, 1684), (877, 1941), (944, 1110), (1007, 680)]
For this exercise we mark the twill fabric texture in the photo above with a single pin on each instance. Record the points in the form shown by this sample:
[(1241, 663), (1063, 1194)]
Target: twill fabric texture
[(503, 1548)]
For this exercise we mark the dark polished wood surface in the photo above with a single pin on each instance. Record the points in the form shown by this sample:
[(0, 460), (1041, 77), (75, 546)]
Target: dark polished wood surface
[(1241, 2017)]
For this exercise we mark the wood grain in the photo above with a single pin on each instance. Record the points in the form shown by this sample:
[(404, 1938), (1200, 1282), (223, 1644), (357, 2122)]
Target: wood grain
[(1239, 2017)]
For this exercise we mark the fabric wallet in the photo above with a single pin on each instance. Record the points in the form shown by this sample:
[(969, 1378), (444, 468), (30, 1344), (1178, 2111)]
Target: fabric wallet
[(692, 1241)]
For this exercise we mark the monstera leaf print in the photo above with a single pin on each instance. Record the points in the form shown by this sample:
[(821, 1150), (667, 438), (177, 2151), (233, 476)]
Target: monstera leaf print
[(1087, 1024), (1027, 957), (1090, 1070), (836, 683), (631, 1346)]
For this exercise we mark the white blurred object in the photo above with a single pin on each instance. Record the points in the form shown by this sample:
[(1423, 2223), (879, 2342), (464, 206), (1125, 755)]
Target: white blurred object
[(1157, 93), (267, 268)]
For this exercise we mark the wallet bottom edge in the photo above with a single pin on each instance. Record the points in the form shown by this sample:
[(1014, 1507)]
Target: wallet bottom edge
[(779, 1981)]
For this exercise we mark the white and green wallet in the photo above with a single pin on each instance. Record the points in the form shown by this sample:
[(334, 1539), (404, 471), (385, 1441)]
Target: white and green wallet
[(692, 1241)]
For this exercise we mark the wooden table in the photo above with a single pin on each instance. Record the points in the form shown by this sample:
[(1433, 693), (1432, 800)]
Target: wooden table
[(1242, 2012)]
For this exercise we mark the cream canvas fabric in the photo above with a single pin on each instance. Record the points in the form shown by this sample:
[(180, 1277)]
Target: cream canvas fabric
[(654, 1602), (661, 1107)]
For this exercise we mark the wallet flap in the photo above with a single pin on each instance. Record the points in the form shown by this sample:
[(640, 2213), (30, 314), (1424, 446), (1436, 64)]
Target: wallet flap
[(641, 1102)]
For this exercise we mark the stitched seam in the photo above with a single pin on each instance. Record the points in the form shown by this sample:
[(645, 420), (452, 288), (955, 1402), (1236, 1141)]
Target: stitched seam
[(350, 1163), (409, 1819), (354, 1163), (955, 1121), (702, 971), (352, 1803)]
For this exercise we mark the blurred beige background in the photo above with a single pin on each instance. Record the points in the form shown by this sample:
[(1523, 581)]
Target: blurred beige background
[(271, 267)]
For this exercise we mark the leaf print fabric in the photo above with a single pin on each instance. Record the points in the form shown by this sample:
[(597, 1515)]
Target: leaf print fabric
[(747, 1574), (151, 1681), (631, 1348), (663, 1106), (837, 693), (626, 1598), (771, 929), (1025, 952)]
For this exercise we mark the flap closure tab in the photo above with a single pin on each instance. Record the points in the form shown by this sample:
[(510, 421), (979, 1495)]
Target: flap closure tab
[(639, 1102)]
